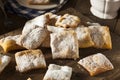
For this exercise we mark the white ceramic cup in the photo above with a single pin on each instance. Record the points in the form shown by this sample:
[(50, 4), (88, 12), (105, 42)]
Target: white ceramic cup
[(105, 9)]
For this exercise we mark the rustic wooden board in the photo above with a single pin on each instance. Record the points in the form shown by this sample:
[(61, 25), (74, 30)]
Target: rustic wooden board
[(78, 72)]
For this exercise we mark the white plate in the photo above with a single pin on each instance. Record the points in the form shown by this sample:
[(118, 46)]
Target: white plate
[(41, 7)]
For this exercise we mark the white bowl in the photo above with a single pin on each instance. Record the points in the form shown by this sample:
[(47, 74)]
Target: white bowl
[(40, 7), (106, 9)]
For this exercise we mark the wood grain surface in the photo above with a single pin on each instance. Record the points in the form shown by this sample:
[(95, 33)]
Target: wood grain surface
[(79, 73), (117, 28)]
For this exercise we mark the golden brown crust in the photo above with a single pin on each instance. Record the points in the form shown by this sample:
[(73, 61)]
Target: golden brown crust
[(101, 37), (38, 67), (10, 45), (107, 38), (34, 52), (84, 38), (98, 71), (96, 64), (34, 59), (68, 21)]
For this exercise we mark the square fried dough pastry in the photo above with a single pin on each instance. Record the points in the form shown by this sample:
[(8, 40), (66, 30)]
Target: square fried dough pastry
[(4, 61), (64, 45), (38, 2), (33, 39), (29, 59), (34, 32), (68, 21), (56, 72), (40, 21), (84, 37), (96, 64), (52, 18), (101, 37), (83, 34), (9, 43)]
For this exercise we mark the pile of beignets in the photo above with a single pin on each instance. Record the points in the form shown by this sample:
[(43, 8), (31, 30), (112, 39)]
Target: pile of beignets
[(41, 31), (64, 34)]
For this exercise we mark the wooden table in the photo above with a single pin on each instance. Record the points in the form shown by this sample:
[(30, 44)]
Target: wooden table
[(78, 72)]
